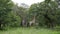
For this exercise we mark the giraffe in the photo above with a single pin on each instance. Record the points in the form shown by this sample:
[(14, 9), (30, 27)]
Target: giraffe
[(32, 22)]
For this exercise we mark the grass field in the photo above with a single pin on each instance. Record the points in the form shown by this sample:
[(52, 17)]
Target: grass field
[(29, 31)]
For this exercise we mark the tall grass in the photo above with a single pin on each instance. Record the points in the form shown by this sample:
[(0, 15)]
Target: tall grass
[(29, 31)]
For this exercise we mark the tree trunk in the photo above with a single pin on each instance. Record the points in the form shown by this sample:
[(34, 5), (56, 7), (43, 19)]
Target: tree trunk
[(52, 25), (49, 22), (0, 26)]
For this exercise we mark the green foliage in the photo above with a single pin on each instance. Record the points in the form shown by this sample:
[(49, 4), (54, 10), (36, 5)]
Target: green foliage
[(5, 8), (13, 20), (45, 12)]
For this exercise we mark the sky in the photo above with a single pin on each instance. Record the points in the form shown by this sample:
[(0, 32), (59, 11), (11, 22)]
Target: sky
[(28, 2)]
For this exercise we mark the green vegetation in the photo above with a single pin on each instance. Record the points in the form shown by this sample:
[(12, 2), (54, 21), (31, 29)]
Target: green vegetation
[(39, 18), (29, 31)]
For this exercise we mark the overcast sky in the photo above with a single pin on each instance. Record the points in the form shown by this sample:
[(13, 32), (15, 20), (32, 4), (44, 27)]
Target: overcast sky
[(28, 2)]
